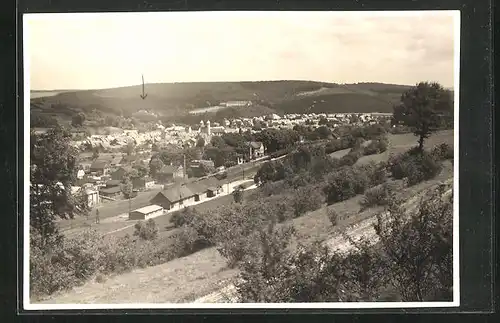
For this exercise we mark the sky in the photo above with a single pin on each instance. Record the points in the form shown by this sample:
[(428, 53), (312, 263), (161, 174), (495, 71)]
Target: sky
[(106, 50)]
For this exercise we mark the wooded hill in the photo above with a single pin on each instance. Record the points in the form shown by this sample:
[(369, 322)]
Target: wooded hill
[(177, 99)]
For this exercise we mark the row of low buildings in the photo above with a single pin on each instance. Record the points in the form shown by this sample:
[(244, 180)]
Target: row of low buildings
[(178, 196), (186, 194)]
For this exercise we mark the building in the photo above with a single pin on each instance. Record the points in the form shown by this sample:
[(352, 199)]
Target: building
[(236, 104), (77, 133), (143, 183), (120, 173), (199, 162), (213, 185), (146, 212), (99, 167), (80, 174), (256, 149), (174, 197), (217, 130), (111, 192), (111, 160), (113, 183), (169, 173), (199, 190), (191, 142), (92, 195)]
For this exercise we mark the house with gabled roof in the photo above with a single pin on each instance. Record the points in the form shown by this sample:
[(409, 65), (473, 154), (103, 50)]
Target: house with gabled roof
[(174, 197), (169, 173), (99, 167), (256, 149)]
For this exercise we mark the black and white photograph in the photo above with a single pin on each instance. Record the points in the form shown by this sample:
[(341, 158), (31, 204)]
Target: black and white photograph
[(241, 159)]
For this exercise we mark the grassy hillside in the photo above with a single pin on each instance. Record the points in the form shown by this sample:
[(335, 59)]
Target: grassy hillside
[(177, 99)]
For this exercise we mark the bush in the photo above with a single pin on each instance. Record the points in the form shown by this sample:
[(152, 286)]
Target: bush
[(148, 231), (376, 146), (378, 195), (307, 199), (442, 152), (414, 165), (186, 241), (351, 158), (332, 216), (67, 264), (346, 183), (180, 218), (377, 173), (333, 146)]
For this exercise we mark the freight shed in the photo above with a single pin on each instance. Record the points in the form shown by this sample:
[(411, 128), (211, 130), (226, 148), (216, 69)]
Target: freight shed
[(146, 212)]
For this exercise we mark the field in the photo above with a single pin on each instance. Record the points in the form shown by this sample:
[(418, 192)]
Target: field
[(402, 142), (188, 278)]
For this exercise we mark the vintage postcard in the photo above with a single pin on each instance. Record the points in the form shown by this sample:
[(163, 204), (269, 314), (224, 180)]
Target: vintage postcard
[(241, 160)]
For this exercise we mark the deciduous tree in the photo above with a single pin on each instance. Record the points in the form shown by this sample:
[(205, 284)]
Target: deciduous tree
[(52, 171), (423, 108), (78, 119)]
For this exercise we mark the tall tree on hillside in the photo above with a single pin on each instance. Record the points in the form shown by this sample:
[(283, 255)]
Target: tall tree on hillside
[(422, 108), (155, 164), (52, 172)]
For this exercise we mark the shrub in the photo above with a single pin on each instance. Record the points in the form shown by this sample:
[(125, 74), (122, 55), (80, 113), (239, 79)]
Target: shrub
[(418, 246), (377, 173), (345, 183), (67, 264), (351, 158), (148, 231), (100, 279), (47, 276), (307, 199), (414, 165), (272, 188), (376, 146), (299, 180), (182, 217), (332, 216), (442, 152), (378, 195), (238, 194), (333, 146), (186, 241)]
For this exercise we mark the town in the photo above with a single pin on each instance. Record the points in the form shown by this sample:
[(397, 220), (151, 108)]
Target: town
[(100, 175)]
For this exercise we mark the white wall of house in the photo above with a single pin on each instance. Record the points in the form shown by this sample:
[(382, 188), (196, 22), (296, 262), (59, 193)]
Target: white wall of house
[(93, 198)]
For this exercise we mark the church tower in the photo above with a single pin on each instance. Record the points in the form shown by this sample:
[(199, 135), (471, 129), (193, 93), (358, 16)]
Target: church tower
[(208, 127)]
